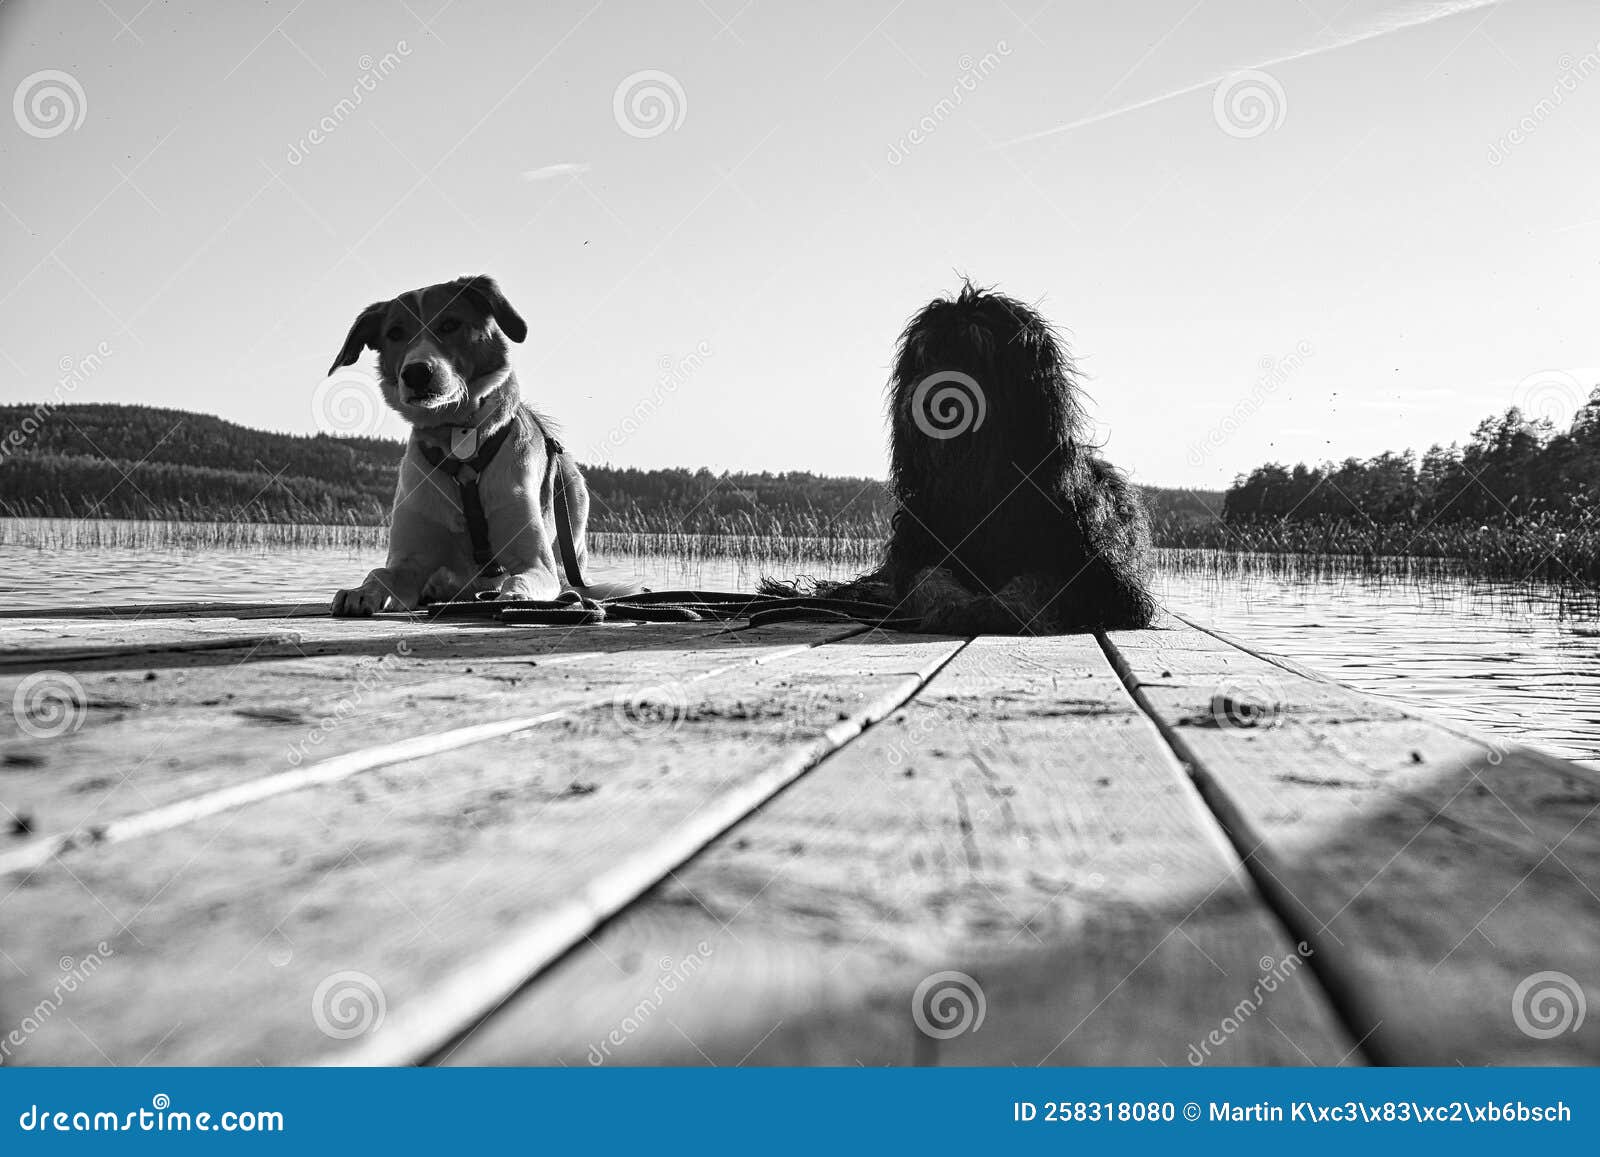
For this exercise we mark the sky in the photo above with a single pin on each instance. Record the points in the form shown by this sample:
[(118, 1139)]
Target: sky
[(1282, 230)]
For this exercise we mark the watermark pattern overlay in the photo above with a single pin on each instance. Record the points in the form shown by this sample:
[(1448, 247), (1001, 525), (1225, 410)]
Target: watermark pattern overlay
[(1249, 702), (947, 404), (1549, 395), (370, 675), (649, 103), (48, 103), (1274, 372), (348, 1004), (49, 704), (1249, 104), (372, 73), (74, 373), (346, 404), (672, 976), (947, 1004), (1573, 72), (674, 374), (650, 712), (1548, 1004)]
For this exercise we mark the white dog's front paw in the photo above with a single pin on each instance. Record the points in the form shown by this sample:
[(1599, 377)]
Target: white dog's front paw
[(524, 586), (366, 599)]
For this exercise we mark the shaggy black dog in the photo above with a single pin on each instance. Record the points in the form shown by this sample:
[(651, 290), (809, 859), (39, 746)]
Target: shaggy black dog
[(1006, 523)]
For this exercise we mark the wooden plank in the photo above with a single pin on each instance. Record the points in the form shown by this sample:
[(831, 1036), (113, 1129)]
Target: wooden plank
[(186, 725), (1021, 823), (1443, 876), (30, 659), (168, 610), (220, 933), (47, 641)]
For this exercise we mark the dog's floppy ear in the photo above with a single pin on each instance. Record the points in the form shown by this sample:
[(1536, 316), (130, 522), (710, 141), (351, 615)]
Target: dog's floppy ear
[(483, 289), (363, 335)]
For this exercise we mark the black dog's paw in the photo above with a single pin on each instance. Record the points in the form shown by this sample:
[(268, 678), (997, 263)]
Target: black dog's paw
[(868, 588), (774, 589)]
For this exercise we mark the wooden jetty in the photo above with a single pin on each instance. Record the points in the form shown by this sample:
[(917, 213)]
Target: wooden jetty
[(256, 834)]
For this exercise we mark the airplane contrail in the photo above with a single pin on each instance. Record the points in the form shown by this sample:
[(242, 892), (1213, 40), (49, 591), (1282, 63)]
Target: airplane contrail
[(1411, 18)]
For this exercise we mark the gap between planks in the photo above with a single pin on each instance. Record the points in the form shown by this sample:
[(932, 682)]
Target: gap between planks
[(431, 1030), (1354, 1009)]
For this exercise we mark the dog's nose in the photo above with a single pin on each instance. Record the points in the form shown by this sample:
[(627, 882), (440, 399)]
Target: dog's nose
[(418, 377)]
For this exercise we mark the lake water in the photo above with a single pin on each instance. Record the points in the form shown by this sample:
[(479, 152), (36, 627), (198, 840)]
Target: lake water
[(1515, 660)]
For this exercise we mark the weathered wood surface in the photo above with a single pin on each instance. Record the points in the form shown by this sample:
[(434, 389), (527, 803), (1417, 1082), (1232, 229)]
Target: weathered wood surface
[(1438, 873), (1120, 875), (181, 723), (1020, 823), (223, 929)]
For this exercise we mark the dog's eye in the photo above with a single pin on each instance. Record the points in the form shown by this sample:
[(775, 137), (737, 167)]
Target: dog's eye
[(450, 325), (394, 333)]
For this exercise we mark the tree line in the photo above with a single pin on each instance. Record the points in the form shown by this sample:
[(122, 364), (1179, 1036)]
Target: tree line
[(95, 460), (1511, 467)]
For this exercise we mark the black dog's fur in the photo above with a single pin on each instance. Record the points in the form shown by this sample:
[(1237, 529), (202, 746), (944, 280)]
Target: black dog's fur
[(1011, 526)]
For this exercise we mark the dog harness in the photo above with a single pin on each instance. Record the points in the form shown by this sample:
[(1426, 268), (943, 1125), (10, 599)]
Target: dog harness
[(466, 471)]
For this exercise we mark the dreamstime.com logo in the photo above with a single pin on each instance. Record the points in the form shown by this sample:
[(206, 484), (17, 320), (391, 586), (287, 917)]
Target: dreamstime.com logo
[(947, 404), (947, 1004), (1547, 1004), (1248, 104), (49, 704), (345, 404), (348, 1004), (48, 103), (160, 1117), (649, 103)]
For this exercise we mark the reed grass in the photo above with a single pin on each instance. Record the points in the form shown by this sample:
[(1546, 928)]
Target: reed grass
[(51, 534), (1525, 549), (1542, 549)]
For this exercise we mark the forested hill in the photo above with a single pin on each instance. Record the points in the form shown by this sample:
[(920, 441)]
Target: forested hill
[(115, 461), (1513, 466)]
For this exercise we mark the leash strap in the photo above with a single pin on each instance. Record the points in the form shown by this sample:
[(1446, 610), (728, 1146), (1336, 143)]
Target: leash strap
[(467, 471), (677, 607), (569, 555)]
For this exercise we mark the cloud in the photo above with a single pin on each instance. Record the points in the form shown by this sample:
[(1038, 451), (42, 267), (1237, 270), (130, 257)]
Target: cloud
[(560, 169), (1413, 17)]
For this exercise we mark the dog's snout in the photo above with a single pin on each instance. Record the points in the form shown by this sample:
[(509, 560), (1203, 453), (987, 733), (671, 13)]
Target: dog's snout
[(418, 377)]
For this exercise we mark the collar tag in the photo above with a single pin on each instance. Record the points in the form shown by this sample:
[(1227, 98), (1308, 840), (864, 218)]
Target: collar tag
[(463, 441)]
